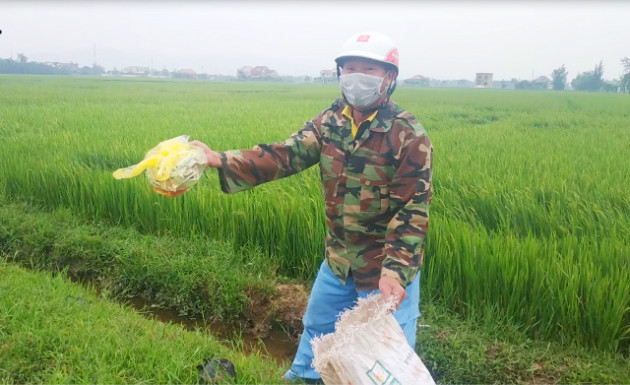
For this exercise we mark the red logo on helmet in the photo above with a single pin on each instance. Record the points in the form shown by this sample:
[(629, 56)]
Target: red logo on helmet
[(363, 38), (392, 56)]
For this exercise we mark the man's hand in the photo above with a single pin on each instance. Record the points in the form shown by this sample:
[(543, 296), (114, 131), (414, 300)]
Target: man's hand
[(391, 288), (213, 159)]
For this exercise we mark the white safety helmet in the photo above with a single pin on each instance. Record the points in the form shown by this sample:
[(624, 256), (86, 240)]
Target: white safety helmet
[(370, 45), (374, 46)]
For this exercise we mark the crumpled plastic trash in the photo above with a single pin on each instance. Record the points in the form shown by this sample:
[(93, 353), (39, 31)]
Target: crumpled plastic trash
[(171, 166)]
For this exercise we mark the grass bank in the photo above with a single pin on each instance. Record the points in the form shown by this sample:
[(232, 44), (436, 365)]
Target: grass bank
[(195, 277), (55, 332), (458, 350)]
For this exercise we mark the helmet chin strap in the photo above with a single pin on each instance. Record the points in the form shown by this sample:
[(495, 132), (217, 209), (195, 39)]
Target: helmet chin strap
[(392, 86)]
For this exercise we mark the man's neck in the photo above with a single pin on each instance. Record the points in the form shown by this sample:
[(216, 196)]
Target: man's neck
[(359, 116)]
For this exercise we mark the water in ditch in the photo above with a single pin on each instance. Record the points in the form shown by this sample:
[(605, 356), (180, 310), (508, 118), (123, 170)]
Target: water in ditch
[(278, 344)]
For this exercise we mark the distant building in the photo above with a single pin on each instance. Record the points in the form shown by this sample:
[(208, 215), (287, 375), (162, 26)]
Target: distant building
[(423, 81), (244, 72), (417, 80), (263, 72), (255, 73), (483, 80), (542, 82), (504, 84), (458, 83), (185, 73), (327, 76), (63, 66), (135, 71)]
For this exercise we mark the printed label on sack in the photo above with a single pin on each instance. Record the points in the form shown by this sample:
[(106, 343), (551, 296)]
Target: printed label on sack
[(380, 375)]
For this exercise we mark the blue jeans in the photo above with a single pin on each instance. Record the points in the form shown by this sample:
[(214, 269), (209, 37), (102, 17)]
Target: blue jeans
[(328, 298)]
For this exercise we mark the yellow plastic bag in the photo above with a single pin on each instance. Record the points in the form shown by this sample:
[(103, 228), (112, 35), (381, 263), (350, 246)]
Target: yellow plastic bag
[(171, 166)]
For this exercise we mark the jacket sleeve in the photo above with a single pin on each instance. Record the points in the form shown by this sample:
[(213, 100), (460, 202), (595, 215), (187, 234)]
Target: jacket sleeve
[(406, 232), (244, 169)]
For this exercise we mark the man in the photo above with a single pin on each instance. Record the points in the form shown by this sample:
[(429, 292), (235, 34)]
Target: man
[(375, 163)]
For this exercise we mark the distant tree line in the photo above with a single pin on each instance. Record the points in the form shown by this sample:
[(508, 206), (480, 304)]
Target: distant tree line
[(625, 79), (527, 85), (593, 81), (23, 66), (586, 81)]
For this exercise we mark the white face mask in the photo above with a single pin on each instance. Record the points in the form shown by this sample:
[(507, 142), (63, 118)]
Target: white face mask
[(361, 90)]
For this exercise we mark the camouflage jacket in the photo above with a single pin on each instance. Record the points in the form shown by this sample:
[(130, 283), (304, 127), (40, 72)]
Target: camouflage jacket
[(376, 188)]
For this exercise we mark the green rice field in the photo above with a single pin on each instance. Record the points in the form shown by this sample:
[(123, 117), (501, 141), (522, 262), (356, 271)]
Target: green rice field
[(530, 218)]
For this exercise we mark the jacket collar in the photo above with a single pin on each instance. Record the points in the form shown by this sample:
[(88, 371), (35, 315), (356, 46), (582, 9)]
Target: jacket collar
[(382, 122)]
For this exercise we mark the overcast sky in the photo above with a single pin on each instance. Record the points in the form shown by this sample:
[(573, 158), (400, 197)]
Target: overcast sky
[(442, 40)]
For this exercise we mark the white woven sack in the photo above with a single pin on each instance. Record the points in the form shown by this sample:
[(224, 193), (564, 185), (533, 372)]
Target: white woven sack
[(368, 347)]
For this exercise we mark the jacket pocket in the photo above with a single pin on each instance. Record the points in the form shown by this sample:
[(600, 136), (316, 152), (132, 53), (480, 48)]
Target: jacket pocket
[(374, 195)]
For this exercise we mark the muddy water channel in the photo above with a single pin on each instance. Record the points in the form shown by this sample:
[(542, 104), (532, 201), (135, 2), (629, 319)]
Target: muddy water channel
[(277, 343)]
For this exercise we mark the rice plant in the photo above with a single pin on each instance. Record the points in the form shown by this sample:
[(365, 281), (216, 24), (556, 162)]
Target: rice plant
[(528, 221)]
